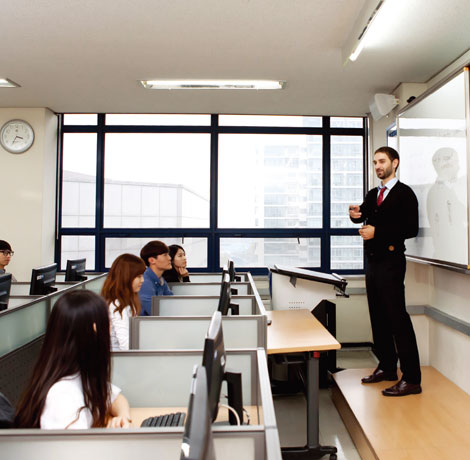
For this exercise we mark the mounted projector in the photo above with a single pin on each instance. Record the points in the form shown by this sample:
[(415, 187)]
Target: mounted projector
[(382, 104)]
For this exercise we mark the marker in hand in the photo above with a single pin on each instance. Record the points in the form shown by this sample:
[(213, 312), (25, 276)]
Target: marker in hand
[(355, 211)]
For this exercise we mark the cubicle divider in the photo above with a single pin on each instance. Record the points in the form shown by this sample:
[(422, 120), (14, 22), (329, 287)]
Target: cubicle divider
[(158, 380), (212, 288), (21, 288), (188, 332), (195, 305), (22, 325), (162, 379), (214, 277)]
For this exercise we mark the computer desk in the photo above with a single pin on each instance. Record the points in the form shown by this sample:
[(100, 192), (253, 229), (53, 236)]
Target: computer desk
[(294, 331), (139, 414)]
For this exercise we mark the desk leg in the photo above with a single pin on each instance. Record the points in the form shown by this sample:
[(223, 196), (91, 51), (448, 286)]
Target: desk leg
[(313, 449)]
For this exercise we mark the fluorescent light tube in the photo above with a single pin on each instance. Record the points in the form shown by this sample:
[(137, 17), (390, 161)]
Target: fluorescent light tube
[(213, 84), (360, 45), (5, 83)]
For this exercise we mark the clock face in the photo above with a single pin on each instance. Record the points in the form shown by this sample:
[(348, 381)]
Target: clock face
[(16, 136)]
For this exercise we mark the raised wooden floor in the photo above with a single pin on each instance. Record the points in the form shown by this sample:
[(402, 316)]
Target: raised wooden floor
[(433, 425)]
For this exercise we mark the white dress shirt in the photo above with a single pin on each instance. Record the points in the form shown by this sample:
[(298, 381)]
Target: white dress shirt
[(119, 327), (65, 403), (388, 186)]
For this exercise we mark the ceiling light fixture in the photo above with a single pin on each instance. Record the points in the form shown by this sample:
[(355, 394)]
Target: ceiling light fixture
[(6, 83), (361, 38), (213, 84)]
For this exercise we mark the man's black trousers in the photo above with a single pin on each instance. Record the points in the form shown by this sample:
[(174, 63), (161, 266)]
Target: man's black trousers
[(392, 330)]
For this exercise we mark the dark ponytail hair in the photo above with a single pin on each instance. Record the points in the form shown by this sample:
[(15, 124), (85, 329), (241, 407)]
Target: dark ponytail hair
[(76, 342)]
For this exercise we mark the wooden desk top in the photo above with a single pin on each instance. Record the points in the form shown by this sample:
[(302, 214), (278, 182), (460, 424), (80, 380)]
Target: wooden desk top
[(139, 414), (296, 331)]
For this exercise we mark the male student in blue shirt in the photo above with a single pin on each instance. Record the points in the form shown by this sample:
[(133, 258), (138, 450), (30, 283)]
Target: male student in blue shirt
[(156, 256)]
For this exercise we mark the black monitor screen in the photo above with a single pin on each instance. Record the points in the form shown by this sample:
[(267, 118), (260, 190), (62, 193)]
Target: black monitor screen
[(213, 359), (231, 270), (75, 270), (197, 438), (225, 296), (5, 286), (225, 299), (42, 280)]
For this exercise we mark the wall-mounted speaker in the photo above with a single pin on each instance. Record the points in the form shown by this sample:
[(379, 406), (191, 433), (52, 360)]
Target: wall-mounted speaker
[(382, 104)]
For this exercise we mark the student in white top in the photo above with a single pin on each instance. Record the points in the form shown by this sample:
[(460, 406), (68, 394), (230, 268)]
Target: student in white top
[(70, 386), (120, 290)]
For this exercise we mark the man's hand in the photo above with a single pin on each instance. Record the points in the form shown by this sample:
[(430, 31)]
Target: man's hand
[(355, 211), (367, 232)]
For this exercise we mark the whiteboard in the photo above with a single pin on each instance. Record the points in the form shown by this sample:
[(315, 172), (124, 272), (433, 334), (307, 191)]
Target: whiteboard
[(433, 146)]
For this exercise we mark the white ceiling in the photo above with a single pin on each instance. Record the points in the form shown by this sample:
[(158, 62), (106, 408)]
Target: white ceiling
[(87, 55)]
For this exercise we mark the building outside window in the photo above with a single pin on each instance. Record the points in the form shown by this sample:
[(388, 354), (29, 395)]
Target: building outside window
[(261, 190)]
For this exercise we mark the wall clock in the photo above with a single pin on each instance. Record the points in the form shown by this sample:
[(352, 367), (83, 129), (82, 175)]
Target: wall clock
[(16, 136)]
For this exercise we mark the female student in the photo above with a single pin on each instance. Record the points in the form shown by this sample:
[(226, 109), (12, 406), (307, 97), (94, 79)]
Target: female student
[(70, 386), (178, 272), (120, 290)]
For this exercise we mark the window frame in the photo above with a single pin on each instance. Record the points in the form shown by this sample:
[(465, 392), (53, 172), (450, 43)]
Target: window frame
[(213, 233)]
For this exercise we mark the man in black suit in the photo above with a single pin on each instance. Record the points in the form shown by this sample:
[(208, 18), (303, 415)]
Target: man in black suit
[(390, 215)]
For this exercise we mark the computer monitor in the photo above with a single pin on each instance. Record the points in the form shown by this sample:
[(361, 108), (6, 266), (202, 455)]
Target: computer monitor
[(197, 438), (5, 286), (214, 359), (42, 280), (75, 270), (225, 299), (231, 271)]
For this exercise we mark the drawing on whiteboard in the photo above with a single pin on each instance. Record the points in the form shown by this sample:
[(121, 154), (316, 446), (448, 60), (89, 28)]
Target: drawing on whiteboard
[(446, 205)]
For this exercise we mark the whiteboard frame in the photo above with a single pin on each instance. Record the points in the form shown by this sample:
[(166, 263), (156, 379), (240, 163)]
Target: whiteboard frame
[(465, 70)]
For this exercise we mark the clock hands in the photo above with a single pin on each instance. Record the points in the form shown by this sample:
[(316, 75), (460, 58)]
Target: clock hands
[(16, 137)]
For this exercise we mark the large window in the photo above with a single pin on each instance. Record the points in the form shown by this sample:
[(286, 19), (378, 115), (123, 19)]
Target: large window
[(263, 190), (156, 180)]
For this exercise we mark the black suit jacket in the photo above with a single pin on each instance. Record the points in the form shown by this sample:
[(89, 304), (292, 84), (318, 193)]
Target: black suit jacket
[(395, 220)]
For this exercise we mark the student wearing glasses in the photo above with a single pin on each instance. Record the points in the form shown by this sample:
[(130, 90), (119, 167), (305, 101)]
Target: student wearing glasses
[(71, 382), (156, 256), (5, 257)]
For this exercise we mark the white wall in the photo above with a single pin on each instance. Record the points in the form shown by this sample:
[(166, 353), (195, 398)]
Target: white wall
[(28, 193)]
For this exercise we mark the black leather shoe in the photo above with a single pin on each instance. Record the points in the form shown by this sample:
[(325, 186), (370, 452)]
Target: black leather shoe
[(379, 375), (403, 388)]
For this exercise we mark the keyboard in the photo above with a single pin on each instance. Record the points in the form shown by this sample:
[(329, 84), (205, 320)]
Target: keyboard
[(174, 419)]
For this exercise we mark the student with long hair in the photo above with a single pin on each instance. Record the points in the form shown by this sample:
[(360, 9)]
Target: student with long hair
[(178, 272), (120, 290), (70, 386)]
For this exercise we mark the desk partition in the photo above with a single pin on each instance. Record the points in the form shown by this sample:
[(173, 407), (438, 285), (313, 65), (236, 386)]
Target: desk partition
[(244, 288), (249, 444), (21, 325), (180, 305), (28, 319), (163, 378), (214, 277), (188, 332)]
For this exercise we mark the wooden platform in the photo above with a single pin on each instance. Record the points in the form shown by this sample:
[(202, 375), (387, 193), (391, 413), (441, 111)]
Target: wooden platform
[(433, 425)]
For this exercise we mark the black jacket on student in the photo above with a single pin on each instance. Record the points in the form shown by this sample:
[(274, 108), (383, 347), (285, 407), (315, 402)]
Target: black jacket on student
[(172, 276)]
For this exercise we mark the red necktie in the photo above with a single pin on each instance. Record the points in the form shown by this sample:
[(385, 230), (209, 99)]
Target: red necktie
[(380, 198)]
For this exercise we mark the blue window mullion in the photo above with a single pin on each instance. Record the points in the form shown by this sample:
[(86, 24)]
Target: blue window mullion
[(99, 213), (326, 173)]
